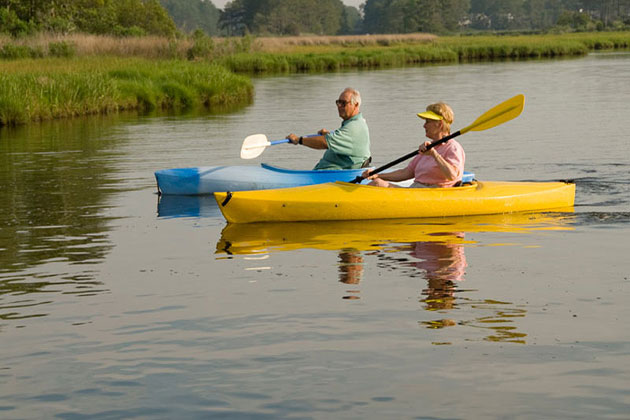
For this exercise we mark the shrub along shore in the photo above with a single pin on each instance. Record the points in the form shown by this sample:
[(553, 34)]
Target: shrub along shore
[(63, 88), (72, 80)]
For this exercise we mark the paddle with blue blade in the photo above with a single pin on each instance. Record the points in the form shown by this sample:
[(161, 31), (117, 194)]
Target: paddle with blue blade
[(500, 114), (254, 145)]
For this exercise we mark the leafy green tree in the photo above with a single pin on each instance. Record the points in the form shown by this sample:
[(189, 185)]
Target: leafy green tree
[(91, 16), (351, 22), (575, 20), (190, 15), (540, 14), (283, 16), (233, 18), (403, 16), (155, 19), (500, 14)]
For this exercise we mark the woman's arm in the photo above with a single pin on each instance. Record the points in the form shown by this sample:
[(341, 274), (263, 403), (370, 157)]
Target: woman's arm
[(394, 176), (450, 172)]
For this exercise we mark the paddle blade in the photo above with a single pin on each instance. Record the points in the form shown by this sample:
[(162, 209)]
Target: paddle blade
[(253, 146), (501, 113)]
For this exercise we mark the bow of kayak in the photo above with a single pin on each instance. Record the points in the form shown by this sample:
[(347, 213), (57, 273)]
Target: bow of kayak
[(346, 201), (209, 179)]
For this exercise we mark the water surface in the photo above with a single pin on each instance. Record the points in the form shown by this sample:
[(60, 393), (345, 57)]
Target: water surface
[(117, 304)]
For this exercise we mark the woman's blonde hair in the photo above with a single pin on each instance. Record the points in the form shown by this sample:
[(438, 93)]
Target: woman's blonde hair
[(445, 111)]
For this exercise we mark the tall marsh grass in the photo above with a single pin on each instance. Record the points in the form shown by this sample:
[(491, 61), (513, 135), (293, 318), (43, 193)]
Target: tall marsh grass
[(290, 43), (478, 46), (169, 48), (523, 46), (368, 57), (62, 88), (330, 56)]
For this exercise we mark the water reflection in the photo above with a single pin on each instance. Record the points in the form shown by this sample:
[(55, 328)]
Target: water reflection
[(170, 206), (56, 179), (350, 270), (444, 264), (430, 249), (366, 235)]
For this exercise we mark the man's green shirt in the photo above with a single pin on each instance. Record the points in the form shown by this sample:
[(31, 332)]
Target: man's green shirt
[(348, 146)]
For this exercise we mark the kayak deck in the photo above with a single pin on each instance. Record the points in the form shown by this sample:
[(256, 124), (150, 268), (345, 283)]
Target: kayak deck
[(209, 179), (346, 201), (202, 180)]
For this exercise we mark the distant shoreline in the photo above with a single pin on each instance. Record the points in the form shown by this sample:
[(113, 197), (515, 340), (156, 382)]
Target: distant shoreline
[(86, 74)]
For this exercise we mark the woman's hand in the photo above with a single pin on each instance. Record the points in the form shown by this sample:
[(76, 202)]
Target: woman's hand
[(366, 174), (423, 149), (293, 138)]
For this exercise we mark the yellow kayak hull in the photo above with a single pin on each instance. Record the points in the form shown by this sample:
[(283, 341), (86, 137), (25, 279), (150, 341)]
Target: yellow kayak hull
[(346, 201)]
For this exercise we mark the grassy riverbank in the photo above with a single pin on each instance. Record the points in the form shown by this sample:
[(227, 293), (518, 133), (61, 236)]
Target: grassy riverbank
[(87, 74), (311, 56), (62, 88)]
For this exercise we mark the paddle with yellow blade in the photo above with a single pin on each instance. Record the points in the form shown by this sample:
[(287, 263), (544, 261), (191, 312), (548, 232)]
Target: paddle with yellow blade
[(254, 145), (501, 113)]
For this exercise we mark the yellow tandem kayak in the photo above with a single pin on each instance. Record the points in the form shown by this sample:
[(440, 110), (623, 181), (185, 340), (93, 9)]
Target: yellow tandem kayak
[(347, 201)]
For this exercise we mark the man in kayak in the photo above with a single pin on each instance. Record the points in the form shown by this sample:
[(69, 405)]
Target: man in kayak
[(348, 147), (440, 166)]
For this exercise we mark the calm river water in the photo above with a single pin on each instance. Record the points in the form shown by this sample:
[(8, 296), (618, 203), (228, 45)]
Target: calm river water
[(114, 304)]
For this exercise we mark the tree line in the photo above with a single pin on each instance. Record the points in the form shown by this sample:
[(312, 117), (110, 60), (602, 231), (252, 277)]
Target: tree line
[(318, 17), (115, 17), (330, 17)]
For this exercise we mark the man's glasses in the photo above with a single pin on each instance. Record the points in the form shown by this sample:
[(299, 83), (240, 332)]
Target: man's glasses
[(341, 102)]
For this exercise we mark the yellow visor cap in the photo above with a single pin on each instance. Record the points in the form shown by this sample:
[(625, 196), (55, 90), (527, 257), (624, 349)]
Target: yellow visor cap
[(430, 115)]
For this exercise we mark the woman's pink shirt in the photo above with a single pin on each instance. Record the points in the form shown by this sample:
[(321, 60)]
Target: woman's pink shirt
[(427, 171)]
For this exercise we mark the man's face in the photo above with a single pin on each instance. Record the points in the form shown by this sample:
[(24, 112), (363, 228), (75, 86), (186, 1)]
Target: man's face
[(345, 107)]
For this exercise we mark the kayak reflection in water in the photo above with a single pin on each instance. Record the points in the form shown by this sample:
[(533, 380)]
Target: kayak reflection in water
[(439, 166), (348, 147), (350, 269)]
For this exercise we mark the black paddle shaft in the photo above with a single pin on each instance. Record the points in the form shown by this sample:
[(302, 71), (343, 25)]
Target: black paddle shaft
[(407, 156)]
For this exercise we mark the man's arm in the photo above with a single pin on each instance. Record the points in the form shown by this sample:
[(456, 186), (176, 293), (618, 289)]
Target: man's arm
[(314, 142)]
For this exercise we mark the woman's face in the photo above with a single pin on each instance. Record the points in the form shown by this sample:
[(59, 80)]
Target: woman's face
[(433, 129)]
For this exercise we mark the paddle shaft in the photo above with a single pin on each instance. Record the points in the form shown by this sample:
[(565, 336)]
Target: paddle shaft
[(407, 156), (501, 113), (271, 143)]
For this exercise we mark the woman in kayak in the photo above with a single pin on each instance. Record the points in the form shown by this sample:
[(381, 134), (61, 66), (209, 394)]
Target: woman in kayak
[(440, 166)]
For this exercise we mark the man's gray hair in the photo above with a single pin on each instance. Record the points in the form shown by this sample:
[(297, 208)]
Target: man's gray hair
[(355, 96)]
